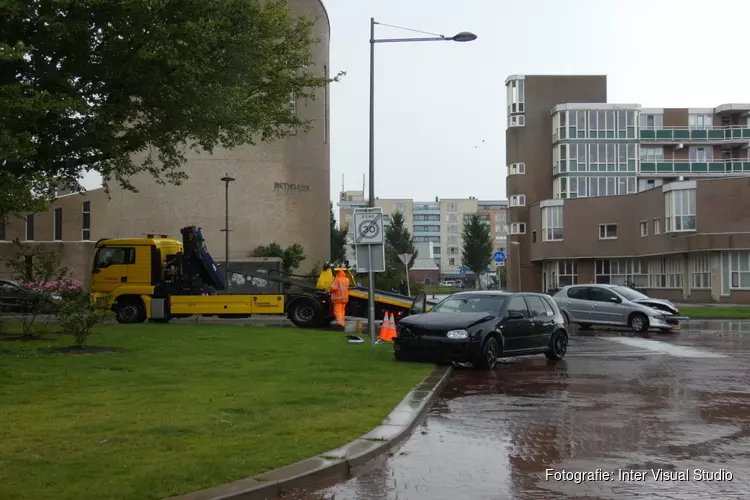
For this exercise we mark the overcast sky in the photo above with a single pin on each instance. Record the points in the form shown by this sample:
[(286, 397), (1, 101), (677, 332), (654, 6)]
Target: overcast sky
[(440, 107)]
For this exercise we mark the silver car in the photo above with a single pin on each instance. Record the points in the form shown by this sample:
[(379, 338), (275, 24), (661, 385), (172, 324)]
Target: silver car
[(616, 305)]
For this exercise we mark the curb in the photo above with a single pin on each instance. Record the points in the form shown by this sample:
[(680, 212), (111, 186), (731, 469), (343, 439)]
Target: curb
[(341, 463)]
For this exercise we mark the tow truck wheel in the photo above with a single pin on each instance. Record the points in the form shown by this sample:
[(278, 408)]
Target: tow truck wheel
[(130, 311), (305, 313)]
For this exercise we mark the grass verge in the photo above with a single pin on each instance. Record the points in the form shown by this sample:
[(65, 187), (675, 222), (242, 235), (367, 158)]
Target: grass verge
[(441, 289), (716, 312), (183, 407)]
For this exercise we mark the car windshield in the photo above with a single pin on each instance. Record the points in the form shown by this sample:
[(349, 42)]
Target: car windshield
[(629, 293), (488, 305)]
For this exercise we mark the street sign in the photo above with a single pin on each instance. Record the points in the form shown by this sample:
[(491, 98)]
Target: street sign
[(462, 271), (405, 258), (499, 257), (365, 254), (368, 226)]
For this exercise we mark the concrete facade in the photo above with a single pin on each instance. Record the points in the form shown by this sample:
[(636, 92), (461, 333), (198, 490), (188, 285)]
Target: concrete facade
[(622, 194), (281, 193)]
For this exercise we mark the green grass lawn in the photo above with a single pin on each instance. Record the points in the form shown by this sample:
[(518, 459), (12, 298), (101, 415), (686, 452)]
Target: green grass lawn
[(716, 312), (183, 407), (441, 289)]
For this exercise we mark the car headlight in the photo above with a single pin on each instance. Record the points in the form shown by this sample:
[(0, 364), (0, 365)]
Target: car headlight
[(457, 334), (56, 296)]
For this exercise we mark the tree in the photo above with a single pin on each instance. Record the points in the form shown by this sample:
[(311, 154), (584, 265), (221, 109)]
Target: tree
[(398, 241), (88, 86), (476, 250), (291, 256), (502, 276), (338, 240)]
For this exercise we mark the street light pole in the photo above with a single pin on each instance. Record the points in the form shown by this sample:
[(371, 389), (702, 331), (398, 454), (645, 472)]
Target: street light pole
[(226, 180), (463, 36)]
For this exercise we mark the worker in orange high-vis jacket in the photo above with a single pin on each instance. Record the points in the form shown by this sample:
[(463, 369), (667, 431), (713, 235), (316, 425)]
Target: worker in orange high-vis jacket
[(340, 297)]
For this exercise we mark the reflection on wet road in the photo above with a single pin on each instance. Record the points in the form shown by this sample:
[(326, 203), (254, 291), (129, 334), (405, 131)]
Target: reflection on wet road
[(663, 404)]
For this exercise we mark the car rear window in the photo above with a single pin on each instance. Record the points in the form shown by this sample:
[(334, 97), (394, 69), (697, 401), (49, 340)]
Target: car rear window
[(579, 292)]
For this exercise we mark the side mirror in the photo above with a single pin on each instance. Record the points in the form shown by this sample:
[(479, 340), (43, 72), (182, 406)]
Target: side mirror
[(616, 300), (515, 315)]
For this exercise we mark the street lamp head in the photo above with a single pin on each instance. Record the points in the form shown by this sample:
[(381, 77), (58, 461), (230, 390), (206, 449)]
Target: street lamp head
[(227, 179), (464, 36)]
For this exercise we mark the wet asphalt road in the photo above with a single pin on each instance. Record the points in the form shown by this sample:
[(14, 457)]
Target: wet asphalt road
[(617, 403)]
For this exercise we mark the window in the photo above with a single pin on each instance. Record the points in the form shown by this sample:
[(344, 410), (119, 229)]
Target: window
[(567, 272), (644, 228), (451, 261), (621, 272), (451, 218), (579, 292), (739, 269), (700, 269), (516, 99), (700, 120), (657, 226), (652, 154), (499, 218), (516, 121), (501, 239), (679, 210), (536, 306), (112, 256), (518, 200), (552, 223), (86, 221), (453, 240), (452, 228), (518, 305), (652, 121), (516, 169), (607, 231), (518, 228), (499, 228), (601, 294), (452, 250), (30, 227), (401, 207), (701, 154), (452, 207), (57, 224), (665, 272)]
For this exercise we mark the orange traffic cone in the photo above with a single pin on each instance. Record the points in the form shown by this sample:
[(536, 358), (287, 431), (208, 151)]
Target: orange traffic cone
[(388, 329)]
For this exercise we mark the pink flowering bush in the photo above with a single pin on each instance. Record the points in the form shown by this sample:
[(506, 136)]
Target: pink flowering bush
[(64, 287)]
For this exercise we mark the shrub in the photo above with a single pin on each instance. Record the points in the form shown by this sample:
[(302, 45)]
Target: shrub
[(77, 315)]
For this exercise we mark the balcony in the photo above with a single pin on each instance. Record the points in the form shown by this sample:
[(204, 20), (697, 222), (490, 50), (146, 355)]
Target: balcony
[(710, 168), (737, 134)]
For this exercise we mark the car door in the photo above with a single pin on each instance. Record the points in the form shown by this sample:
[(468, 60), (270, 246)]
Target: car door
[(541, 322), (517, 330), (608, 308), (577, 304), (111, 267)]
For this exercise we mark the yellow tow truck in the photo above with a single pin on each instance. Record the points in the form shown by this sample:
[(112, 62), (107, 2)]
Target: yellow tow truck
[(158, 278)]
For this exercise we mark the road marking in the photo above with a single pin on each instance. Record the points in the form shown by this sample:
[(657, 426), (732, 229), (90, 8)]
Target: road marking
[(679, 351), (613, 353)]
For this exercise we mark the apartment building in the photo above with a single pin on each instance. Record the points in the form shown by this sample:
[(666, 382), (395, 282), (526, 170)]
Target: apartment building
[(436, 227), (658, 197)]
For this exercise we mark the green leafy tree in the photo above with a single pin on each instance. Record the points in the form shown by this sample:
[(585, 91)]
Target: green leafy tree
[(90, 86), (338, 240), (291, 256), (398, 241), (476, 250)]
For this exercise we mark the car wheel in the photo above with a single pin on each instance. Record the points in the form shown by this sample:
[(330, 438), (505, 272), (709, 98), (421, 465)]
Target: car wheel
[(558, 346), (130, 311), (638, 322), (305, 314), (488, 357)]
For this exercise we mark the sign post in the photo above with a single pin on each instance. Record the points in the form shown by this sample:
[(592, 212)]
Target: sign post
[(406, 258), (369, 246)]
